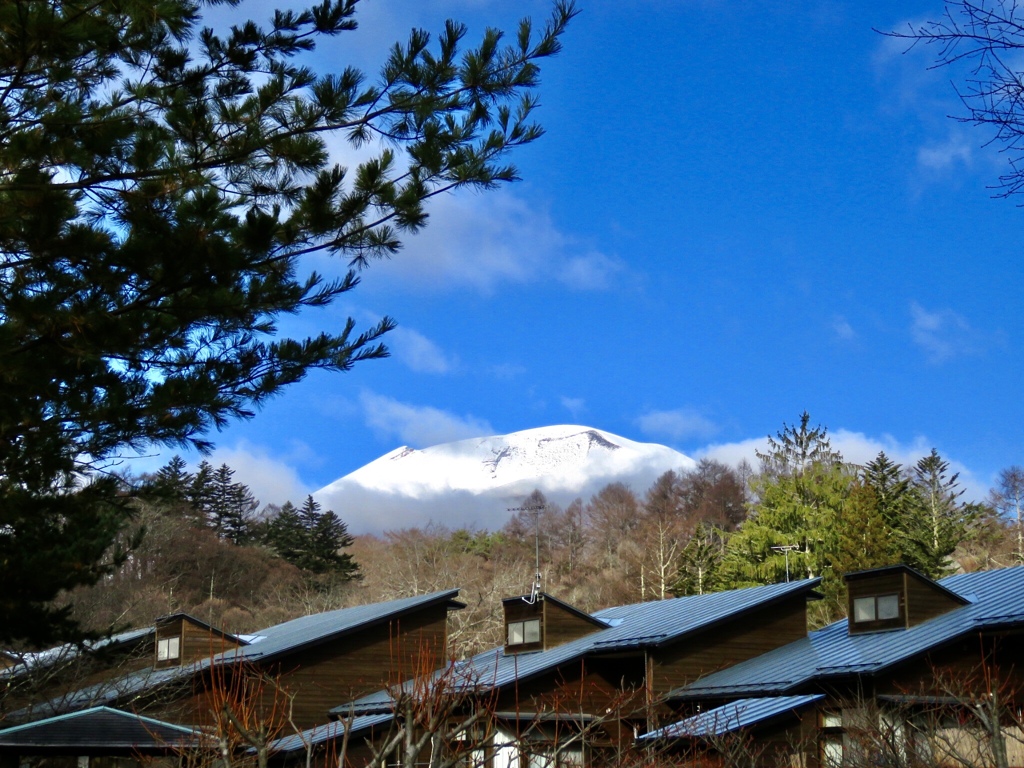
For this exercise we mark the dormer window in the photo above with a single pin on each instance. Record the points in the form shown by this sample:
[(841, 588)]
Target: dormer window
[(521, 632), (876, 608), (168, 649), (895, 597)]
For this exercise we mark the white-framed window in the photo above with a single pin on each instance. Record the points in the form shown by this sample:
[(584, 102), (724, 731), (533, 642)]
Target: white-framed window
[(876, 608), (168, 649), (520, 632)]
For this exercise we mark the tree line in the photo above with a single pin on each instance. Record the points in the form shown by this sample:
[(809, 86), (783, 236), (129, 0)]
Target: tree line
[(805, 512)]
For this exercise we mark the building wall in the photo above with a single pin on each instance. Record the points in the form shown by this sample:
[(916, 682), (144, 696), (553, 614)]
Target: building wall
[(750, 635), (319, 678)]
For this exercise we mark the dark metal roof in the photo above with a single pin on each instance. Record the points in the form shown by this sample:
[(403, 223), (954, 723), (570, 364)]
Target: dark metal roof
[(268, 643), (321, 734), (636, 626), (97, 731), (732, 717), (995, 600), (66, 653)]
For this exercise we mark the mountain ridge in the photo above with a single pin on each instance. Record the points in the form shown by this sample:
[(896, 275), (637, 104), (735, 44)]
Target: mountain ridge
[(472, 481)]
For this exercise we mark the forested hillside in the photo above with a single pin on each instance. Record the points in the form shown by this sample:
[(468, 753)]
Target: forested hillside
[(202, 544)]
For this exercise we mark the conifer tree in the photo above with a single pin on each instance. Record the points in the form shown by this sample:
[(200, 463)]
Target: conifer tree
[(800, 492), (894, 498), (232, 506), (938, 519), (313, 540), (285, 534), (699, 562), (173, 481), (161, 185)]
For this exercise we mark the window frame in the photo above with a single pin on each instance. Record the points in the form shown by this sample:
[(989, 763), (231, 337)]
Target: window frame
[(875, 603), (168, 648), (523, 626)]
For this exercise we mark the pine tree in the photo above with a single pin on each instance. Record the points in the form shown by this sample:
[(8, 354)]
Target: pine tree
[(937, 520), (286, 535), (328, 538), (232, 506), (894, 498), (313, 540), (800, 493), (162, 187), (699, 562), (173, 481)]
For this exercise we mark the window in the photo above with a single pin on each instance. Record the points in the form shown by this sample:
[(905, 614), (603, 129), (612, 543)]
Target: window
[(168, 649), (831, 739), (521, 632), (880, 608)]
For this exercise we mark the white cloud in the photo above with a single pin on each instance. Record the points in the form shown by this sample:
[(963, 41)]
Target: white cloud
[(574, 405), (942, 156), (591, 272), (842, 329), (487, 239), (419, 353), (272, 479), (678, 424), (856, 448), (942, 334), (418, 426)]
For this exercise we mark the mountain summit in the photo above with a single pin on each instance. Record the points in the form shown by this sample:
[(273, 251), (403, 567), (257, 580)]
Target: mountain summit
[(473, 482)]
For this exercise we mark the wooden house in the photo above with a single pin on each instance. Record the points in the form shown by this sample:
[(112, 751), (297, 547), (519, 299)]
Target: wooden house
[(567, 685), (916, 669), (313, 662)]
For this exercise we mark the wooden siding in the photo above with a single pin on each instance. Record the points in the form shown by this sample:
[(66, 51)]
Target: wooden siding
[(890, 583), (753, 633), (331, 673), (920, 599), (598, 687), (926, 601), (197, 641), (561, 626), (517, 609)]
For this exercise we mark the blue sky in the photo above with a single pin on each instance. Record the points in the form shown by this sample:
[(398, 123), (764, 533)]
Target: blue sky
[(739, 211)]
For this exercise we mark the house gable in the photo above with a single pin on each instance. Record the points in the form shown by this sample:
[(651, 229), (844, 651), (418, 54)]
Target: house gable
[(182, 639), (895, 597), (754, 632), (541, 622)]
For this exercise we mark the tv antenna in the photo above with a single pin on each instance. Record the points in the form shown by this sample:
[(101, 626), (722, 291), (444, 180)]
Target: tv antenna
[(787, 548), (535, 589)]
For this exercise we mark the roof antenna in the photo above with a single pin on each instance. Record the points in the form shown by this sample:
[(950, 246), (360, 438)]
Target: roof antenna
[(535, 589), (787, 548)]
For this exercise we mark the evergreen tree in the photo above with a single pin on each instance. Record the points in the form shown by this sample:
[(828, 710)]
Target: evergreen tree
[(286, 535), (864, 536), (173, 481), (312, 540), (894, 497), (938, 520), (309, 514), (202, 494), (800, 493), (797, 449), (232, 506), (161, 189), (327, 539), (699, 562)]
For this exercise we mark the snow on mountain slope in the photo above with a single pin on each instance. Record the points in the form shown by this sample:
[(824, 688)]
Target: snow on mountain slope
[(473, 482)]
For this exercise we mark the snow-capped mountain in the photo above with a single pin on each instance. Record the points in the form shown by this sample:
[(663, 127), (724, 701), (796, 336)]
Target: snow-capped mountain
[(474, 482)]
